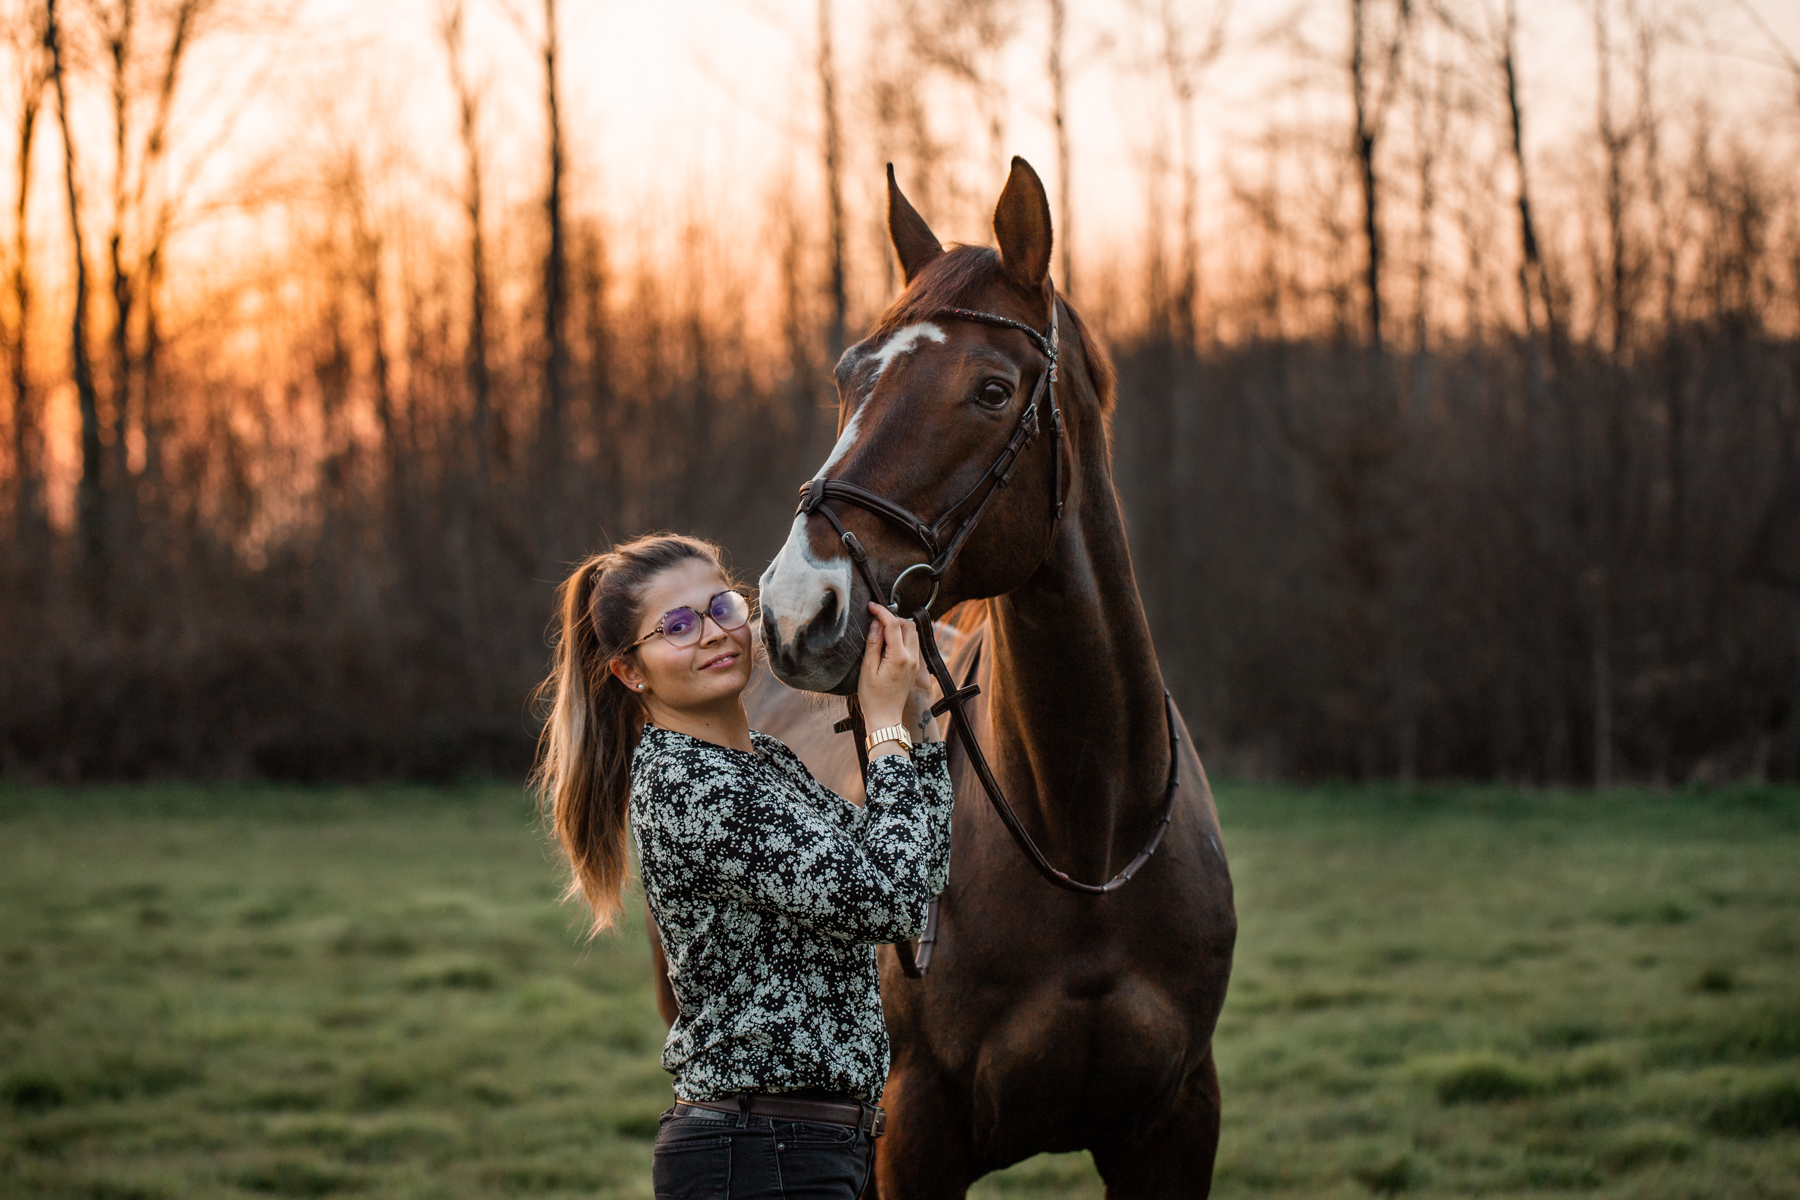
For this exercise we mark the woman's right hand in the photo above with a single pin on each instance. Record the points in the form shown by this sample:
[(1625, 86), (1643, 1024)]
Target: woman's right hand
[(890, 668)]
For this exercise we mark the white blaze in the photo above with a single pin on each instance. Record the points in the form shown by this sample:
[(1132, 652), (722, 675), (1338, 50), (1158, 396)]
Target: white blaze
[(845, 440), (903, 341), (796, 584)]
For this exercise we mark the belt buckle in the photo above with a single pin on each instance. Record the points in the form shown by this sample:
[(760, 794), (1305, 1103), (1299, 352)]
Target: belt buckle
[(877, 1121)]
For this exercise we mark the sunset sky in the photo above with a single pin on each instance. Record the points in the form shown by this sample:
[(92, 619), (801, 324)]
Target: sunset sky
[(703, 102), (701, 113)]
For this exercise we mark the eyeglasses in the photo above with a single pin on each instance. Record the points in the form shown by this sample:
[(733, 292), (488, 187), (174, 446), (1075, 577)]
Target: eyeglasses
[(681, 627)]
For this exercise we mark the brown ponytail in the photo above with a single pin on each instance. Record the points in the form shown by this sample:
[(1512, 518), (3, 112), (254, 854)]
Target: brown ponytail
[(583, 774)]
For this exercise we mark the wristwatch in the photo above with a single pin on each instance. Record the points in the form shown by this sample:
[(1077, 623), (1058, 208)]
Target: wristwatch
[(893, 733)]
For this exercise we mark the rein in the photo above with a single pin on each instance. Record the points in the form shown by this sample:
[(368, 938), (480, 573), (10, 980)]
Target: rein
[(943, 540)]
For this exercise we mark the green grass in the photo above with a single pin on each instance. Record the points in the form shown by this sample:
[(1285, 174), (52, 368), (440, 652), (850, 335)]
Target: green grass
[(283, 992)]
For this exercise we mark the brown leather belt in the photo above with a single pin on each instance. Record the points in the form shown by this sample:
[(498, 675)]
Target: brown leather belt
[(869, 1118)]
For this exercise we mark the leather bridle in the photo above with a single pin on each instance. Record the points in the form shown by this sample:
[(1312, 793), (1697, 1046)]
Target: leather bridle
[(943, 540)]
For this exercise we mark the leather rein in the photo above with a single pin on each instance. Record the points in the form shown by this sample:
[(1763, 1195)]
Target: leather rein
[(943, 540)]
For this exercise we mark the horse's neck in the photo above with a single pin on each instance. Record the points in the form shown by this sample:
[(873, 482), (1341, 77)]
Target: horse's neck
[(1075, 696)]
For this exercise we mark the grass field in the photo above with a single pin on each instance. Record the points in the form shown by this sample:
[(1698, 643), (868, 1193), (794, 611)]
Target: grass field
[(253, 991)]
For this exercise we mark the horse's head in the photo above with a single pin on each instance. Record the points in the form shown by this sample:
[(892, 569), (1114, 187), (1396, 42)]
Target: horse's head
[(928, 404)]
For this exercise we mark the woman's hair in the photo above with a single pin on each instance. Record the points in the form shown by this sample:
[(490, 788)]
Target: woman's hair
[(583, 774)]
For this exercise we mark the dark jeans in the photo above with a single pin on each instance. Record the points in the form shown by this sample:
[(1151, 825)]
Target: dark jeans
[(705, 1155)]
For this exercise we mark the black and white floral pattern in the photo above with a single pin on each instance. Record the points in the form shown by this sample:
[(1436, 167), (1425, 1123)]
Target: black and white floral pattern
[(771, 892)]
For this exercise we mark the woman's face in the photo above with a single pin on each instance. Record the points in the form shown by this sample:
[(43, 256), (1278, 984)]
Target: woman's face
[(681, 678)]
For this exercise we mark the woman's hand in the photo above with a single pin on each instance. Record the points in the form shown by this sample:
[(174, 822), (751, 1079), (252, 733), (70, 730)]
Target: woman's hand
[(891, 669)]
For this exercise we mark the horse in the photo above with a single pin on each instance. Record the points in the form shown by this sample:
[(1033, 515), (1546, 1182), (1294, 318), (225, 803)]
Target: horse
[(1048, 1019)]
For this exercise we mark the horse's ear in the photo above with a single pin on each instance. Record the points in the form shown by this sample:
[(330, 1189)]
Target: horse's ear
[(913, 240), (1022, 223)]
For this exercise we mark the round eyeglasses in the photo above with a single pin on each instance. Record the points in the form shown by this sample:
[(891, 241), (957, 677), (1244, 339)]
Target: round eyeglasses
[(681, 627)]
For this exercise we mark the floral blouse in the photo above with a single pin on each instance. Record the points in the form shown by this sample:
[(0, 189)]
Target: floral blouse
[(771, 892)]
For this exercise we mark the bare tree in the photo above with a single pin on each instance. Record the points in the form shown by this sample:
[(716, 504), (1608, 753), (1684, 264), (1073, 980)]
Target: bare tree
[(964, 41), (1666, 241), (1615, 144), (895, 100), (118, 23), (1375, 55), (1532, 277), (1615, 290), (477, 372), (1788, 58), (91, 495), (1059, 105), (550, 451), (553, 423), (367, 252), (30, 47), (1187, 49), (140, 224), (834, 187), (1432, 101)]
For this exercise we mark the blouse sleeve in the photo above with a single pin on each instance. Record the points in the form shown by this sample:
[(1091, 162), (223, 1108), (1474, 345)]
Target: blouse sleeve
[(720, 833)]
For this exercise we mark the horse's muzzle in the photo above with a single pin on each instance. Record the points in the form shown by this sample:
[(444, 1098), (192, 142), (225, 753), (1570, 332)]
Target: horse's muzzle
[(825, 653)]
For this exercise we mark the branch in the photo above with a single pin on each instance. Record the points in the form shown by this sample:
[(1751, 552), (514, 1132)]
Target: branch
[(1781, 48)]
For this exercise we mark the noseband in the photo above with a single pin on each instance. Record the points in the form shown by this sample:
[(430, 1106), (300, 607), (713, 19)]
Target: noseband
[(943, 539)]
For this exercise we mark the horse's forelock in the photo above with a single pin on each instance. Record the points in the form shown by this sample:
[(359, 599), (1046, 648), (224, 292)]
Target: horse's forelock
[(955, 279), (951, 280)]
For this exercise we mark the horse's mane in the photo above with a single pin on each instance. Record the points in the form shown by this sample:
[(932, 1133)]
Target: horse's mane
[(1101, 375), (954, 277), (966, 617)]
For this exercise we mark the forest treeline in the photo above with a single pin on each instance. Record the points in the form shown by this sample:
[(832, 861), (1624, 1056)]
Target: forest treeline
[(1440, 460)]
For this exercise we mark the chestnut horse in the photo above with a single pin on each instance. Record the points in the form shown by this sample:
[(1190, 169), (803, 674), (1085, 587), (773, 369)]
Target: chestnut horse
[(1048, 1020)]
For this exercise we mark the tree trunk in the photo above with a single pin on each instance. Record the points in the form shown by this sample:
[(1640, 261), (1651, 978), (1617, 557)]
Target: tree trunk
[(1370, 111), (1531, 265), (1603, 682), (1187, 303), (28, 511), (91, 498), (150, 412), (1363, 146), (393, 460), (488, 445), (1614, 143), (1059, 110), (553, 425), (601, 478), (797, 332), (834, 187), (142, 294), (118, 46)]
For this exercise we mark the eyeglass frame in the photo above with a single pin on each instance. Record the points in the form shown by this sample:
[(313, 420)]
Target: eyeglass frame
[(704, 614)]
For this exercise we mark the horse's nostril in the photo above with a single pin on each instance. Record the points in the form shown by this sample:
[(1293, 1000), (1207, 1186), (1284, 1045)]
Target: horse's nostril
[(827, 615)]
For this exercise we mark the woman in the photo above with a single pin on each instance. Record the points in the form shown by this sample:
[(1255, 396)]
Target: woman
[(769, 890)]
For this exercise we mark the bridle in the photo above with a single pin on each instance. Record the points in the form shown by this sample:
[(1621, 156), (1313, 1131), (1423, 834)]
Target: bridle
[(943, 540)]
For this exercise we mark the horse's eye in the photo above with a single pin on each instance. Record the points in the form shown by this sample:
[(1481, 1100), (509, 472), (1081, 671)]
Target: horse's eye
[(994, 394)]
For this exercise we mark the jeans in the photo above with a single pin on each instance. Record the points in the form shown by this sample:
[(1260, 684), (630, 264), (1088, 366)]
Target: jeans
[(705, 1155)]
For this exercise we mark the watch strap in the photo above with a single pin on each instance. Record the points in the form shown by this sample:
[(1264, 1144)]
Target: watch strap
[(892, 733)]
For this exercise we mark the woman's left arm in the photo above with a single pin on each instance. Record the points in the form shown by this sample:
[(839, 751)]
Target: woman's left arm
[(914, 792)]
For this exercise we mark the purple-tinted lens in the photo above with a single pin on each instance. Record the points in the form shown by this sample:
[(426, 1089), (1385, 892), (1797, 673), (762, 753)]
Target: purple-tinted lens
[(729, 609), (681, 626)]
